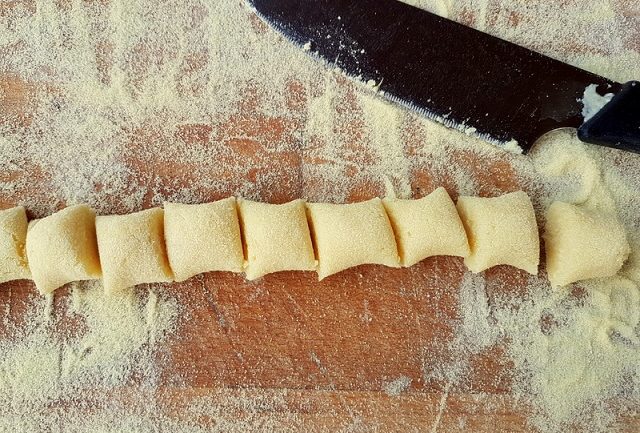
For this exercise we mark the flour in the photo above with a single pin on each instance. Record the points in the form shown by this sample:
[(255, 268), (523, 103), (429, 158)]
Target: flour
[(123, 105), (397, 386), (578, 367), (573, 350), (103, 345), (592, 101)]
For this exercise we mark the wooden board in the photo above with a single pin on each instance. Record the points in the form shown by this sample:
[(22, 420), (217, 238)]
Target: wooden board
[(287, 351)]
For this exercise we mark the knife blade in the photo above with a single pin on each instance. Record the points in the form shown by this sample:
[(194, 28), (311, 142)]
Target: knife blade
[(450, 73)]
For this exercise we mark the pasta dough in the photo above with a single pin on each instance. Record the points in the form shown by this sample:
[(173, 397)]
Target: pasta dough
[(348, 235), (13, 237), (62, 248), (582, 244), (427, 227), (277, 238), (132, 249), (501, 231), (203, 237)]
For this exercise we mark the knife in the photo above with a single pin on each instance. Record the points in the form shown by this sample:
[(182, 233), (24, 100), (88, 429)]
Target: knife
[(459, 76)]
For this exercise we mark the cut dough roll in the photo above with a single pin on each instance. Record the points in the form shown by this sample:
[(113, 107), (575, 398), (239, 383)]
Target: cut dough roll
[(582, 244), (13, 237), (348, 235), (277, 238), (132, 249), (203, 238), (426, 227), (501, 231), (62, 248)]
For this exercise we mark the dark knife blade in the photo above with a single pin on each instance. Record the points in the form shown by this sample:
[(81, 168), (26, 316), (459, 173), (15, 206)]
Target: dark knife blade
[(451, 73)]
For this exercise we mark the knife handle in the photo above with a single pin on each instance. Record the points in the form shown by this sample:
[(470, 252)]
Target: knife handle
[(617, 124)]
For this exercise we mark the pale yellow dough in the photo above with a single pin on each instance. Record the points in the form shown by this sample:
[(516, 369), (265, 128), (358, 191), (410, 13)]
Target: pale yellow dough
[(582, 244), (427, 227), (501, 231), (132, 249), (62, 248), (348, 235), (203, 238), (13, 237), (277, 238)]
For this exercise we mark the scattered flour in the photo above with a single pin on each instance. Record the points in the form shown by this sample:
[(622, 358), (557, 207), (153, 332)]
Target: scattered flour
[(397, 386), (575, 350), (86, 347), (593, 102)]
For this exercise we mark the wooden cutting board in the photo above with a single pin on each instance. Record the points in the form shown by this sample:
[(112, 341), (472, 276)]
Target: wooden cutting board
[(331, 345), (290, 352)]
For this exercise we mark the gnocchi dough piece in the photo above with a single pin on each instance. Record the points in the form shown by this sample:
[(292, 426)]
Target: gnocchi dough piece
[(348, 235), (203, 238), (132, 249), (277, 237), (62, 248), (582, 244), (427, 227), (501, 231), (13, 237)]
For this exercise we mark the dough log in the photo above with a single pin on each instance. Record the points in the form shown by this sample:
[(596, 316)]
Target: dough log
[(183, 240)]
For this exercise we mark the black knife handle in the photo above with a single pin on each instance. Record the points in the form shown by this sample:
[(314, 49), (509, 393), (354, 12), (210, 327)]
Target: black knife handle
[(617, 124)]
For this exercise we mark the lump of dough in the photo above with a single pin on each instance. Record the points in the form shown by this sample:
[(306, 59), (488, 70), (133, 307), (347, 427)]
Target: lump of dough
[(62, 248), (277, 238), (501, 231), (427, 227), (132, 249), (582, 244), (348, 235), (203, 238), (13, 237)]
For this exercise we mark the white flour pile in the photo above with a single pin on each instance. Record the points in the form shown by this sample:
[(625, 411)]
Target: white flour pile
[(124, 104), (85, 348)]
